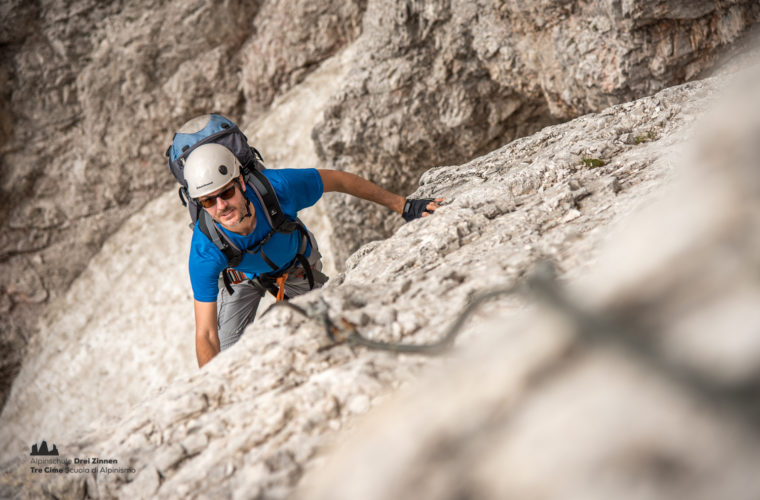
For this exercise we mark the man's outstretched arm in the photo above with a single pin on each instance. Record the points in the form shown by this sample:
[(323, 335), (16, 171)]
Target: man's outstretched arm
[(206, 332), (344, 182)]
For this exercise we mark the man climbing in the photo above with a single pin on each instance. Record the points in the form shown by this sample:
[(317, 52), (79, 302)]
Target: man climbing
[(284, 260)]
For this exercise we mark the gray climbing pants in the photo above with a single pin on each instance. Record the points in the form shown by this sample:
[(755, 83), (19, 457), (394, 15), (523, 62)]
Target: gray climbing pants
[(237, 311)]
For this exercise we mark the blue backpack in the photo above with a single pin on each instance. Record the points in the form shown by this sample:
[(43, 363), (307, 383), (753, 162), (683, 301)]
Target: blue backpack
[(218, 129)]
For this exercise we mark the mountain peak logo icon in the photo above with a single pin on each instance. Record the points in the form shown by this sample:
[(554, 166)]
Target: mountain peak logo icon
[(43, 450)]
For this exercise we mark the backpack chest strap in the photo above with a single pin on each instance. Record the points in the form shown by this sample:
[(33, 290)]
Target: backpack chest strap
[(258, 249)]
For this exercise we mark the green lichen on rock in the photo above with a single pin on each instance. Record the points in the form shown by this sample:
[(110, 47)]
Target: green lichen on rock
[(593, 162), (649, 136)]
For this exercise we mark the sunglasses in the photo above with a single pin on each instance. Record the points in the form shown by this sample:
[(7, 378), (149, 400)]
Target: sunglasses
[(210, 201)]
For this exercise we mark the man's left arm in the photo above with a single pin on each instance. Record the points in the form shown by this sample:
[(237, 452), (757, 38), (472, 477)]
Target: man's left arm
[(344, 182)]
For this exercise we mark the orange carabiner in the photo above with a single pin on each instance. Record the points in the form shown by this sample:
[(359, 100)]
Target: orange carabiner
[(281, 287)]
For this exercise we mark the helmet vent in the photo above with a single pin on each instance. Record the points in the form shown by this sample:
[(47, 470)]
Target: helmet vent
[(223, 169)]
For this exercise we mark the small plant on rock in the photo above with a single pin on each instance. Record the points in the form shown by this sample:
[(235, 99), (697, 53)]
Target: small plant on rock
[(592, 162), (649, 136)]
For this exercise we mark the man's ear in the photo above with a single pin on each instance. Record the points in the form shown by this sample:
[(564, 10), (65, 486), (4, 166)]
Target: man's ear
[(242, 182)]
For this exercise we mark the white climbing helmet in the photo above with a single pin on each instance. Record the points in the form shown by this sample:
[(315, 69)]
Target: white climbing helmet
[(208, 168)]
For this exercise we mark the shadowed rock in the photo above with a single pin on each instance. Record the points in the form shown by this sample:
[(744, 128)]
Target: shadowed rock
[(659, 403), (89, 95), (438, 82), (261, 415)]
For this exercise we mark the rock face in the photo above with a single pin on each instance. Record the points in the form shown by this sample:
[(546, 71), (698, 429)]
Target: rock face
[(90, 93), (436, 82), (290, 39), (258, 416), (643, 384), (127, 320), (90, 90), (121, 331)]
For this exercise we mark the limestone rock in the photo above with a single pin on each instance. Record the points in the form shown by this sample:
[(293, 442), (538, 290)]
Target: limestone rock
[(76, 76), (260, 415), (660, 403), (90, 93), (437, 82), (291, 38), (126, 322)]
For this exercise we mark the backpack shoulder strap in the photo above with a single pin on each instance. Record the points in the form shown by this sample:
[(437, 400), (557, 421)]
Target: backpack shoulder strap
[(267, 197), (233, 254)]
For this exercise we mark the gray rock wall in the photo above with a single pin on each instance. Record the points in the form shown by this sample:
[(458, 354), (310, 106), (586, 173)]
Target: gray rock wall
[(90, 94), (90, 91), (289, 40), (262, 414), (643, 384), (129, 316), (438, 82)]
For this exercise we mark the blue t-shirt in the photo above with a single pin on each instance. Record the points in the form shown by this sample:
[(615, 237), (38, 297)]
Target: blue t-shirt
[(296, 189)]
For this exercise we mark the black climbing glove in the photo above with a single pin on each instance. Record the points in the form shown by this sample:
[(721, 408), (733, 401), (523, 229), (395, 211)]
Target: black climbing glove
[(413, 208)]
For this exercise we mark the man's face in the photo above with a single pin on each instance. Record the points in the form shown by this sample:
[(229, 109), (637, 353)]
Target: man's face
[(229, 212)]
